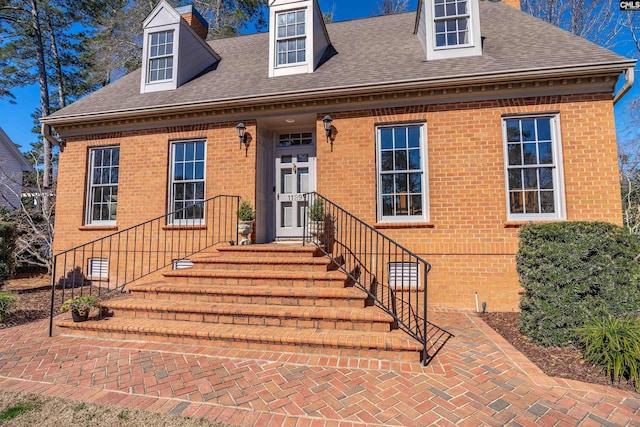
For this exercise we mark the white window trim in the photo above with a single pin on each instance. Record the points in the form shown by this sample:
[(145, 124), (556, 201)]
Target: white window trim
[(170, 208), (278, 39), (472, 48), (425, 177), (89, 221), (276, 70), (150, 58), (558, 171), (160, 85)]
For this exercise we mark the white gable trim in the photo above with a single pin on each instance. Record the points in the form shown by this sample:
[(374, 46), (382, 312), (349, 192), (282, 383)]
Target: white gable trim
[(163, 14)]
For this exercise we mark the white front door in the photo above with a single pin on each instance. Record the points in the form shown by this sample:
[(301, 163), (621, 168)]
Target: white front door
[(295, 175)]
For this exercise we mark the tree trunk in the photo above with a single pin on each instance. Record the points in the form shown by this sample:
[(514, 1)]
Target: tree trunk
[(56, 60), (44, 89)]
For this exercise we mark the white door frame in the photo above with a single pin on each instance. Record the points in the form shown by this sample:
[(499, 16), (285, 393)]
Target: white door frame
[(291, 184)]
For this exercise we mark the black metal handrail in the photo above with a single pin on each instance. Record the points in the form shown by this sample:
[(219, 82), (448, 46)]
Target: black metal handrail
[(394, 278), (111, 262)]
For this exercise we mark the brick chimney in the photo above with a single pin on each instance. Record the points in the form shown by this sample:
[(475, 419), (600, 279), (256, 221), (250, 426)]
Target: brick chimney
[(195, 20), (512, 3)]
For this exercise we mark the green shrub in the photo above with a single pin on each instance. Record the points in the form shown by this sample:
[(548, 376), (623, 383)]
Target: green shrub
[(316, 210), (7, 299), (572, 272), (613, 345), (7, 250), (246, 212)]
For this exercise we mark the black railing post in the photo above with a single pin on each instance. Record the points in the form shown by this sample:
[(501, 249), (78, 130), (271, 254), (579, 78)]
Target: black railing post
[(53, 295)]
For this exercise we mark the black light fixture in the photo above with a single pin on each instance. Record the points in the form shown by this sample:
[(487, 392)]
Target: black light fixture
[(327, 126), (241, 128)]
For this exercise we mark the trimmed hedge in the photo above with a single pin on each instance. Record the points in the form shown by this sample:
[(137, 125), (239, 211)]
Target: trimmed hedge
[(7, 248), (572, 272)]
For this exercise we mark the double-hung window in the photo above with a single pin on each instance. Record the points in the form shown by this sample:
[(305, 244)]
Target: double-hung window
[(533, 168), (187, 182), (402, 173), (160, 56), (291, 40), (102, 188), (451, 19)]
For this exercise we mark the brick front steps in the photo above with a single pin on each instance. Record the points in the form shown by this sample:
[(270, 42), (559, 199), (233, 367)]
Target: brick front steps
[(269, 297)]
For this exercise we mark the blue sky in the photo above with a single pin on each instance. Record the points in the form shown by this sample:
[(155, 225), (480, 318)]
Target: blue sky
[(17, 122)]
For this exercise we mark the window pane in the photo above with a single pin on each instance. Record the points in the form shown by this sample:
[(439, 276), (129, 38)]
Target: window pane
[(414, 137), (189, 150), (400, 138), (515, 179), (200, 151), (439, 11), (516, 202), (513, 131), (546, 157), (462, 8), (528, 130), (387, 184), (515, 154), (402, 205), (401, 160), (415, 183), (188, 171), (547, 202), (416, 205), (387, 206), (530, 154), (401, 183), (414, 159), (531, 202), (199, 170), (387, 161), (440, 40), (530, 178), (386, 138), (546, 178), (544, 129)]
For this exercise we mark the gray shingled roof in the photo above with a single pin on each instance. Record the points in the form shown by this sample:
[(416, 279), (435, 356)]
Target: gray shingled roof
[(370, 52)]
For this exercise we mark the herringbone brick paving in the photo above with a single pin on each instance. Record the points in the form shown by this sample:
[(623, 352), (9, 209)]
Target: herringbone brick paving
[(476, 379)]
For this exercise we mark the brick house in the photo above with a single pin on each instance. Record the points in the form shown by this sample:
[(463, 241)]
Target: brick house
[(451, 126)]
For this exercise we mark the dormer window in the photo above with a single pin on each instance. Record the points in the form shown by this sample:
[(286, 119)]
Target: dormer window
[(451, 19), (174, 49), (161, 56), (449, 28), (291, 37), (298, 37)]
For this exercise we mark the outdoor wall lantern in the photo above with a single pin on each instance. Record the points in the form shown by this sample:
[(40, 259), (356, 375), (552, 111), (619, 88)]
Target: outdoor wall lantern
[(241, 128), (327, 126)]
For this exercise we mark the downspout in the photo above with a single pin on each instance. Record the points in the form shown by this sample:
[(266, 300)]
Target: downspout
[(45, 129), (629, 77)]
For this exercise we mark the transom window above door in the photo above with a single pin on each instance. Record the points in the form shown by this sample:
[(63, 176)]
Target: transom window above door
[(402, 179), (295, 139)]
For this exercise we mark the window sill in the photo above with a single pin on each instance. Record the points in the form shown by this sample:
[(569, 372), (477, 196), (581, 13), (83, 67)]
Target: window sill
[(98, 228), (184, 227), (518, 224), (401, 225)]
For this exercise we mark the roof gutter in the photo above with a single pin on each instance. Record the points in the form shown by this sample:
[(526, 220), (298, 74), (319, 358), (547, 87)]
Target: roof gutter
[(45, 129), (629, 77)]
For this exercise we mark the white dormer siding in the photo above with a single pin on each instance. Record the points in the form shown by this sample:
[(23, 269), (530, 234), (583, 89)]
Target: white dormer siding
[(297, 37), (173, 51), (449, 28)]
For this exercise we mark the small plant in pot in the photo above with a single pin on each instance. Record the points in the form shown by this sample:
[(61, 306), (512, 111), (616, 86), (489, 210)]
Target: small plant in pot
[(317, 218), (80, 307), (246, 215)]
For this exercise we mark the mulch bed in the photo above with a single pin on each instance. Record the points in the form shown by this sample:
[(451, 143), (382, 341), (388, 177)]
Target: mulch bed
[(34, 299), (553, 361)]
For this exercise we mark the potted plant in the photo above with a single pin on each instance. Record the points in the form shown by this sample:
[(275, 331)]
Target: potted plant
[(80, 307), (246, 215), (317, 217)]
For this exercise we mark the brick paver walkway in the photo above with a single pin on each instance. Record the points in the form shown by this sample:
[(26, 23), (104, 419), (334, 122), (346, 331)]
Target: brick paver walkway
[(476, 379)]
